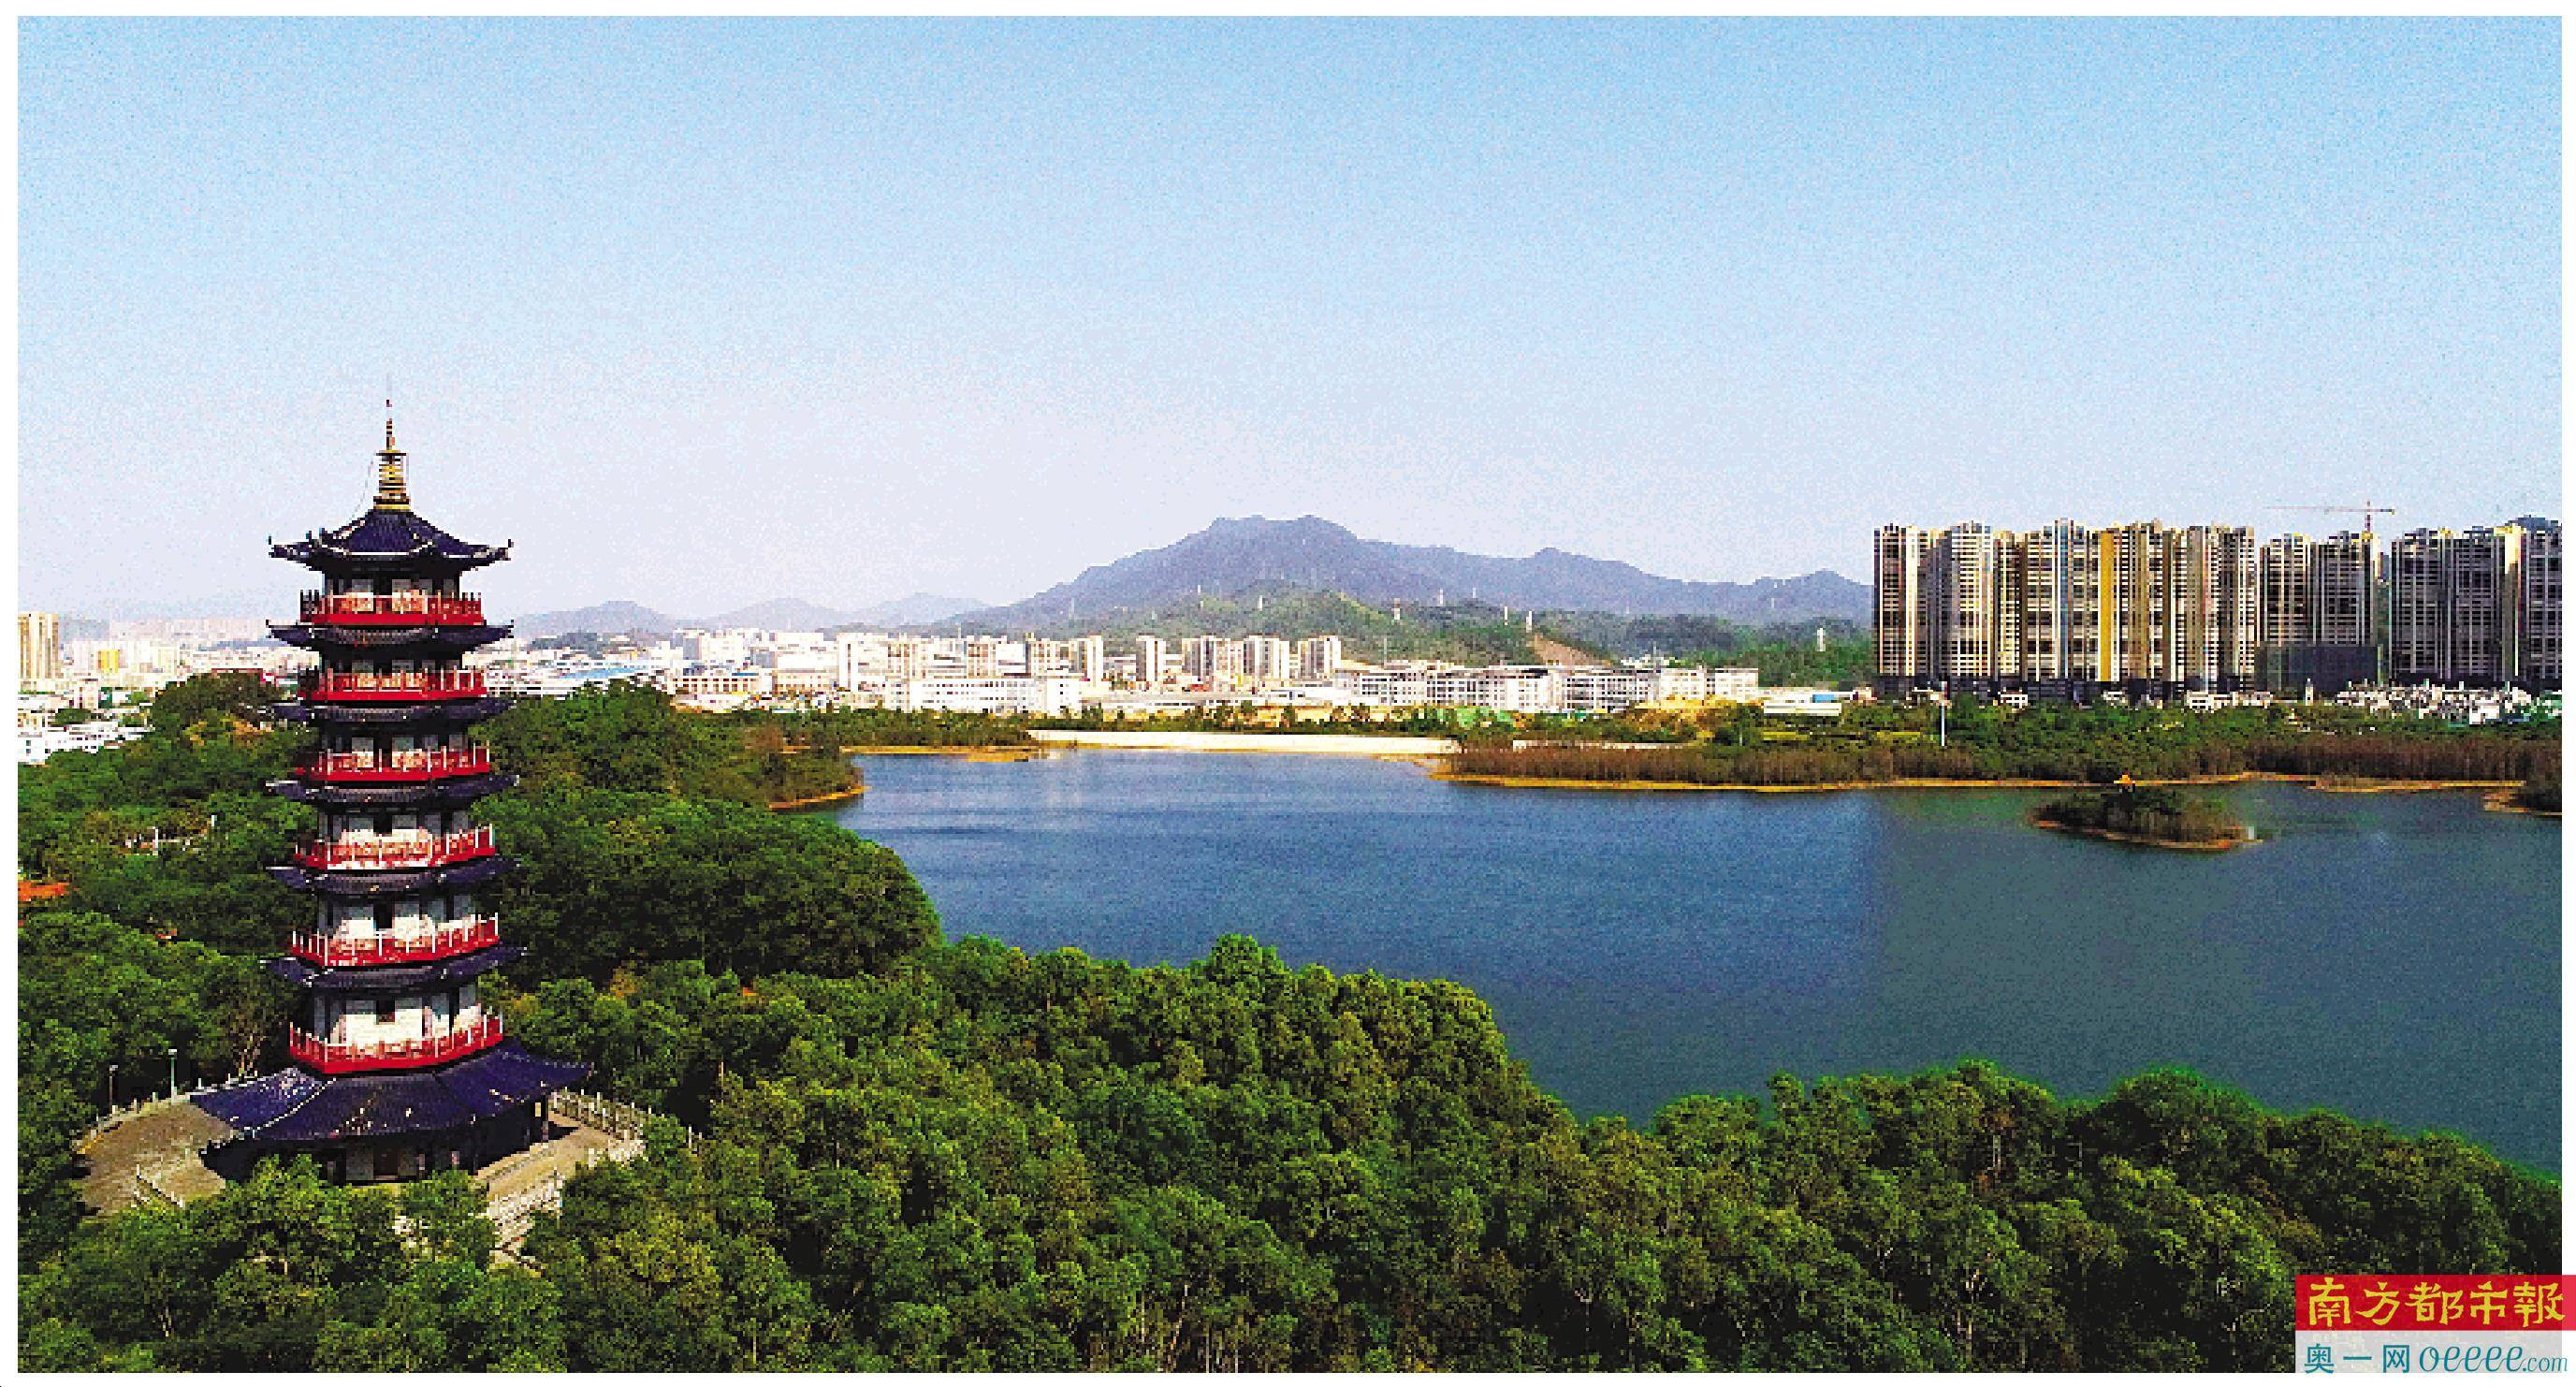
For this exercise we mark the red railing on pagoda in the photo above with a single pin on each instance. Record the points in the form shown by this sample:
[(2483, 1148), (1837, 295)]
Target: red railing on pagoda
[(337, 1057), (342, 687), (368, 767), (391, 609), (407, 850), (447, 941)]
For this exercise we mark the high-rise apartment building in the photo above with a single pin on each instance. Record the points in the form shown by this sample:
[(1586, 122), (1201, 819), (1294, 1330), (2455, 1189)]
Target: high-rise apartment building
[(1151, 654), (2061, 589), (1949, 604), (2543, 594), (2449, 613), (40, 646), (2212, 607), (2346, 604), (2318, 632), (1901, 619), (2203, 607), (2063, 604), (2478, 606), (1971, 603)]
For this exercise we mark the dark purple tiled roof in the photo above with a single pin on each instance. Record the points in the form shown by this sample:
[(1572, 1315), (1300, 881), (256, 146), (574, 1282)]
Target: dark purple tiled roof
[(452, 710), (249, 1107), (294, 1106), (411, 977), (387, 640), (462, 790), (381, 538), (374, 885)]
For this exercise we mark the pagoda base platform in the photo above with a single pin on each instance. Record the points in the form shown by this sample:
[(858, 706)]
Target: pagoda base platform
[(398, 1126)]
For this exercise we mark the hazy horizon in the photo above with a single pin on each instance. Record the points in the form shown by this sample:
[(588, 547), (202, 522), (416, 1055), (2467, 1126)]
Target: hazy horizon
[(706, 313)]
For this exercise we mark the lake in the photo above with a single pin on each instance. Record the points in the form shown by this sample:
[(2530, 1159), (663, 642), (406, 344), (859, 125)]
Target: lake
[(2392, 956)]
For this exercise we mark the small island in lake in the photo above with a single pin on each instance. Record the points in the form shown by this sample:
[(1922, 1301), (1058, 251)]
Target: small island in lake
[(2150, 815)]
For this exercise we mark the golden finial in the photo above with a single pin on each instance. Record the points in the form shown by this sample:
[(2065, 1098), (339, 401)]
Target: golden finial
[(390, 492)]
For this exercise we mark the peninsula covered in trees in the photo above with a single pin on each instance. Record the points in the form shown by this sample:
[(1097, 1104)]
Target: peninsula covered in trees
[(935, 1153), (1985, 743)]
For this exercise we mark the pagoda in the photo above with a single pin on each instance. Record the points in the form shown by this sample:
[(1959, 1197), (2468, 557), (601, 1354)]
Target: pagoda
[(399, 1068)]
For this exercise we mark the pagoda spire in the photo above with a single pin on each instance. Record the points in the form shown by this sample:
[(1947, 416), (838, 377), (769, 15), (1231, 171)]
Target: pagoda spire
[(391, 494)]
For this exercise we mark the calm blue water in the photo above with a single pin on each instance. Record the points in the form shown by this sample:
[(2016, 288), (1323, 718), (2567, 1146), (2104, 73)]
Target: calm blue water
[(2392, 956)]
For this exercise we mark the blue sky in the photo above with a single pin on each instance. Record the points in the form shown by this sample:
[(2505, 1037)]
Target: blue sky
[(703, 313)]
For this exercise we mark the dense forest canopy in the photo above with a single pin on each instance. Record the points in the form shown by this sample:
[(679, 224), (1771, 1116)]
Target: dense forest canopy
[(924, 1153)]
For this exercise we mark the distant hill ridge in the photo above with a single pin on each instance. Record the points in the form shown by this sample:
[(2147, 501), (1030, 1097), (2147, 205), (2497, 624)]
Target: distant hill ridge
[(1310, 552), (778, 614), (1240, 555)]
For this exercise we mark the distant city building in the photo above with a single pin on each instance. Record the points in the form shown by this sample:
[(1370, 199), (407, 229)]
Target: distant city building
[(719, 689), (1151, 655), (1268, 659), (715, 647), (1733, 685), (1318, 657), (1050, 696), (1213, 659), (40, 646)]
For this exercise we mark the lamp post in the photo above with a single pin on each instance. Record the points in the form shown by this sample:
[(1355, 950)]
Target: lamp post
[(111, 1088), (174, 1071)]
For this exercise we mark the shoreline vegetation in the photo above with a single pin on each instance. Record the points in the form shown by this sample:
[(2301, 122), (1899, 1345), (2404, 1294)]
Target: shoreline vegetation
[(2146, 816), (970, 752), (1870, 746), (2500, 790), (926, 1152)]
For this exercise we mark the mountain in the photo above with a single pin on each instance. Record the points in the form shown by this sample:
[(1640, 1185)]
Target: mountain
[(776, 614), (1309, 552), (780, 614), (915, 609), (605, 618)]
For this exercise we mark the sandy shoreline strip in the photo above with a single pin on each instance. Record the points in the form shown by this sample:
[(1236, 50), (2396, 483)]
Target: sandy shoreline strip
[(1297, 743)]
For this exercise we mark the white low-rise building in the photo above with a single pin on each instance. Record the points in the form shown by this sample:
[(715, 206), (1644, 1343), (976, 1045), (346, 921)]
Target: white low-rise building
[(37, 743), (1046, 696)]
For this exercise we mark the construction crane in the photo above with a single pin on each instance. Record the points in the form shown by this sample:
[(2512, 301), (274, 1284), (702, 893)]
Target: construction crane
[(2365, 510)]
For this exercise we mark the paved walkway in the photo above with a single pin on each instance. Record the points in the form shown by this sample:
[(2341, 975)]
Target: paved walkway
[(578, 1146), (162, 1145)]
